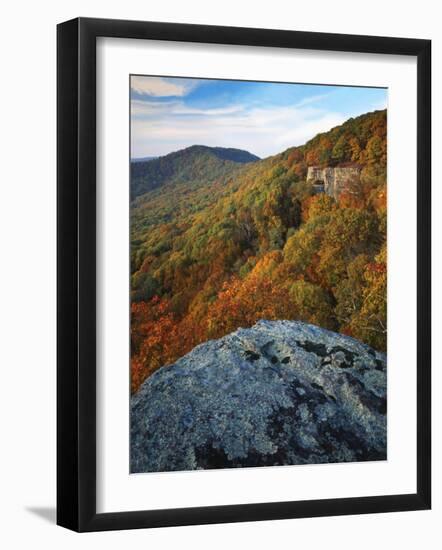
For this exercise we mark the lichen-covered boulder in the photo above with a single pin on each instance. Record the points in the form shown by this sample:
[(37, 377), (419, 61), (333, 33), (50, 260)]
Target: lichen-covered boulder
[(279, 393)]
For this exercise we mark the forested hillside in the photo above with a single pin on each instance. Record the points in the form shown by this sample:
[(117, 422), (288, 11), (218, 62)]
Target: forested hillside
[(223, 245), (196, 163)]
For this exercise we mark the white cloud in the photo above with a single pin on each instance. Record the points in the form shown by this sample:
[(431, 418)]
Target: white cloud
[(261, 130), (222, 111), (298, 135), (160, 87), (142, 108), (312, 99)]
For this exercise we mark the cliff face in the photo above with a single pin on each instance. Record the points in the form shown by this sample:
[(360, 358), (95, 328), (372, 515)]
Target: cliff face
[(332, 180), (279, 393)]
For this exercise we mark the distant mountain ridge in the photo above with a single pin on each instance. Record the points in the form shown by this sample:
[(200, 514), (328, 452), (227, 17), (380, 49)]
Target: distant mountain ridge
[(143, 159), (195, 163), (227, 153)]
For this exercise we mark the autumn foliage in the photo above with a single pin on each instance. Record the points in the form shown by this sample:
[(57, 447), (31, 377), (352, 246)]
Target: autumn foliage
[(209, 257)]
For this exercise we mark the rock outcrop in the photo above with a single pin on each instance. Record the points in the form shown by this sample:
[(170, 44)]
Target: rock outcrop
[(332, 180), (279, 393)]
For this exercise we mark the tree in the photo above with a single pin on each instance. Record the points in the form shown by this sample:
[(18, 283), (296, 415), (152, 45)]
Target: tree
[(341, 150), (355, 148), (376, 150), (349, 293), (349, 232), (313, 304), (371, 323), (318, 205), (144, 286)]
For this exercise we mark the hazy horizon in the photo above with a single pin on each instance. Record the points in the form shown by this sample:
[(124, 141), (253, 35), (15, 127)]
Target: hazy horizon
[(170, 114)]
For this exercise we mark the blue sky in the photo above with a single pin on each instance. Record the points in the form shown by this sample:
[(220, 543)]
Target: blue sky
[(168, 114)]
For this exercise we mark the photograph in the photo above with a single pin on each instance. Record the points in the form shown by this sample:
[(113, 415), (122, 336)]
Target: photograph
[(243, 273), (225, 213), (258, 273)]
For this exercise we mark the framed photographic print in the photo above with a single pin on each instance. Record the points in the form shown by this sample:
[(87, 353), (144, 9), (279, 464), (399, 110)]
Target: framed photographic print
[(243, 274)]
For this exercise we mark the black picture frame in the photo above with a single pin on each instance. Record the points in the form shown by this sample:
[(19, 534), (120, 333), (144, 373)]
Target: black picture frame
[(76, 274)]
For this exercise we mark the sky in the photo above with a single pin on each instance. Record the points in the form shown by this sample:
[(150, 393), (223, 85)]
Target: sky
[(168, 114)]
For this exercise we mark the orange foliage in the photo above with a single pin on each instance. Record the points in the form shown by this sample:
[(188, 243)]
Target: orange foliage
[(262, 246)]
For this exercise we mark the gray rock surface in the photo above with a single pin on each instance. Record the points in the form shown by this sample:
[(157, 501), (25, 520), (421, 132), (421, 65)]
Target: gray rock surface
[(332, 180), (279, 393)]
